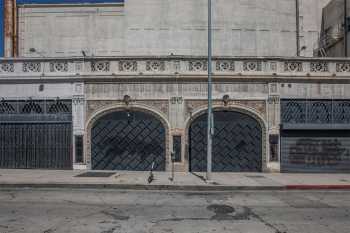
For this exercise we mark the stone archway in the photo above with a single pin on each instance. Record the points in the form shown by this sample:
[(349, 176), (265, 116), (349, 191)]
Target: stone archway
[(127, 138), (238, 143)]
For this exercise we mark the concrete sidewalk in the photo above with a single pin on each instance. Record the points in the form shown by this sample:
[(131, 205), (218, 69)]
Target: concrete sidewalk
[(183, 181)]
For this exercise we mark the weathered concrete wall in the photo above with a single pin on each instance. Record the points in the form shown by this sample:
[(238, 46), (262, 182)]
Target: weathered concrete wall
[(167, 90), (24, 91), (315, 91), (162, 27)]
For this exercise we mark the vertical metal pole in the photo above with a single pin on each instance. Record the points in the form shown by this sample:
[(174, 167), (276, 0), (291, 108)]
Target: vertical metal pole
[(346, 28), (297, 18), (210, 110)]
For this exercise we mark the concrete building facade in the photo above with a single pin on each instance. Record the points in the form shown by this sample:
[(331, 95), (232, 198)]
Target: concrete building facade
[(144, 105), (158, 27)]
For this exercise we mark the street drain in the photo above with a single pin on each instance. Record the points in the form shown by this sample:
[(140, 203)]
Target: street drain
[(96, 174)]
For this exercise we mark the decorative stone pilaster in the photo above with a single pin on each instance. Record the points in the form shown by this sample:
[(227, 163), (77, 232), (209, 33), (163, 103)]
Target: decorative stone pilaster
[(273, 108), (274, 113), (78, 114)]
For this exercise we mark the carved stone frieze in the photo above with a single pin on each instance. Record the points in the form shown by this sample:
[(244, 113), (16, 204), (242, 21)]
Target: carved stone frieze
[(95, 105), (258, 105)]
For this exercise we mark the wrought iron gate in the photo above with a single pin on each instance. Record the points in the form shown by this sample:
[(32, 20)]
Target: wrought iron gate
[(128, 141), (36, 134), (237, 143)]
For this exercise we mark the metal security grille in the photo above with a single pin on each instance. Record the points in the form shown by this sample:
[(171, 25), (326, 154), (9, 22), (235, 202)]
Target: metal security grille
[(315, 111), (35, 145), (315, 151), (315, 135), (36, 134), (237, 143), (128, 141)]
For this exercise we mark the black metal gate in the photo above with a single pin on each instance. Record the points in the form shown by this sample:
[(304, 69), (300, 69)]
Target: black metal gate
[(128, 141), (237, 143), (315, 135), (36, 134)]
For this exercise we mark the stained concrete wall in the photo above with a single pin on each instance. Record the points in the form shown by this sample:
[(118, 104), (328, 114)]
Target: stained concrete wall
[(162, 27)]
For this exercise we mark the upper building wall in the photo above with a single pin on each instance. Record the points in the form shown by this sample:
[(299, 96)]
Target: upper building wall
[(162, 27)]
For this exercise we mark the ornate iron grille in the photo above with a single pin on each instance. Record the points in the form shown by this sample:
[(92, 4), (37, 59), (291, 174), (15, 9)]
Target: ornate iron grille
[(59, 107), (32, 107), (40, 107), (320, 112), (237, 143), (6, 108), (315, 111), (341, 112), (128, 141)]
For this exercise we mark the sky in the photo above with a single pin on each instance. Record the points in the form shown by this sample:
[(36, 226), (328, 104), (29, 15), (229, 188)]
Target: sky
[(42, 2)]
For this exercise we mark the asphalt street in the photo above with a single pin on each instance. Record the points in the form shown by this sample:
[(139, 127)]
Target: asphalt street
[(113, 211)]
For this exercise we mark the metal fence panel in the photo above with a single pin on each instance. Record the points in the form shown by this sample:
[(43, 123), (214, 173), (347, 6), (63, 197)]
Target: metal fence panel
[(36, 145)]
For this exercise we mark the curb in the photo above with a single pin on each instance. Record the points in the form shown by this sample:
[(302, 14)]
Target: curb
[(317, 187), (144, 187), (151, 187)]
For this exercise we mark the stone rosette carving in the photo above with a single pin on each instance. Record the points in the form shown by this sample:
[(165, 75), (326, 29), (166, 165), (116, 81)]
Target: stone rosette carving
[(252, 66), (155, 66), (225, 65), (343, 67), (30, 67), (128, 66), (319, 67), (100, 66), (7, 67), (197, 65), (292, 66), (58, 66)]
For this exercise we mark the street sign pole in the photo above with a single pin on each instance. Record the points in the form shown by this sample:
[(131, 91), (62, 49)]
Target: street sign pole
[(210, 104)]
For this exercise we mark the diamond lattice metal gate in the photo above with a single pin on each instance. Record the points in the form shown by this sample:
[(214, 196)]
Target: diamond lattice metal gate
[(128, 141), (36, 134), (237, 143)]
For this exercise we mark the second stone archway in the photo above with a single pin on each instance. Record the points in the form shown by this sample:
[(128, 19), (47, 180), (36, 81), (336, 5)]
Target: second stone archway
[(237, 142)]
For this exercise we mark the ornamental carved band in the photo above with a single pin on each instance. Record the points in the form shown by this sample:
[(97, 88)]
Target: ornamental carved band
[(58, 66), (7, 67), (100, 66)]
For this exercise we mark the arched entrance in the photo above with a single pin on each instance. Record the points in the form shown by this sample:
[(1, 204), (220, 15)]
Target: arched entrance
[(237, 143), (128, 140)]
